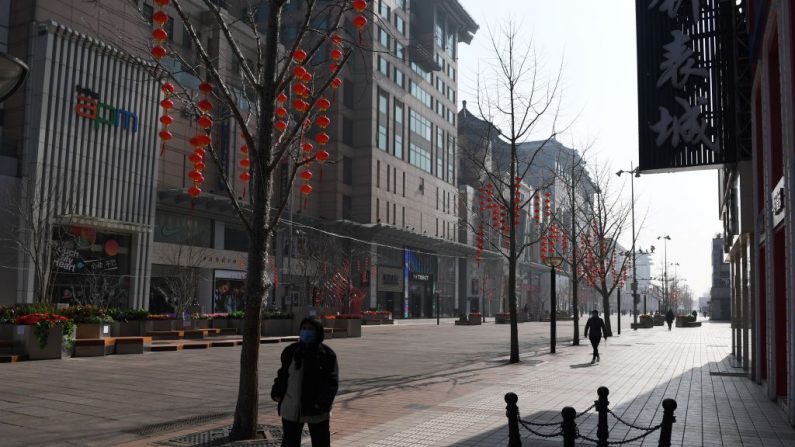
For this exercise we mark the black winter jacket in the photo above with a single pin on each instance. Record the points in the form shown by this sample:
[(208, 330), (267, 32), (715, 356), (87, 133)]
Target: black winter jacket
[(596, 326), (321, 378)]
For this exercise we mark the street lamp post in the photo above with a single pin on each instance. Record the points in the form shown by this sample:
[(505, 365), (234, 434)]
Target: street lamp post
[(665, 239), (553, 262), (633, 173), (12, 74)]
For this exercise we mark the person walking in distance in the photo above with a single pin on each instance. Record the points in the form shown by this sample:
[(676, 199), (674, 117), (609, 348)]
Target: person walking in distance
[(595, 330), (669, 318), (306, 385)]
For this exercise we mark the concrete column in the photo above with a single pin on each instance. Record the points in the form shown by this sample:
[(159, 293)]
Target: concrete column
[(745, 298)]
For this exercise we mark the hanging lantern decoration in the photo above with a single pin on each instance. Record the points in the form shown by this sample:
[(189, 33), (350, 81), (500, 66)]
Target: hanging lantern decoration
[(166, 119), (336, 83), (299, 56), (336, 54), (322, 121), (306, 189), (159, 34), (200, 140)]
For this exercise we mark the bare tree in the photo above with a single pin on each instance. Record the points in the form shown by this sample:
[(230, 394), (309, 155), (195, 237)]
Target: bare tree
[(179, 286), (606, 262), (274, 102), (516, 98)]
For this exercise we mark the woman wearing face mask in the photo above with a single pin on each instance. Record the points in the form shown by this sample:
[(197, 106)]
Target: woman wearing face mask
[(306, 385)]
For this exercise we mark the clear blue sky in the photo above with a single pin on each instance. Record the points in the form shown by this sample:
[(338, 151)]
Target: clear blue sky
[(595, 40)]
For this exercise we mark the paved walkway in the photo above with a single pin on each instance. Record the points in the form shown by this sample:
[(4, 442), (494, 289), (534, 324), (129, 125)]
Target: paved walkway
[(406, 385)]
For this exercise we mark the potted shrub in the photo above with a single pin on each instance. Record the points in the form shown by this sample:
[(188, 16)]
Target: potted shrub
[(475, 318), (44, 336), (128, 322), (502, 318), (199, 321), (377, 317), (277, 324), (91, 321)]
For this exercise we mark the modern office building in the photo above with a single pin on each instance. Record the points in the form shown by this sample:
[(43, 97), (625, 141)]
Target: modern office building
[(720, 292)]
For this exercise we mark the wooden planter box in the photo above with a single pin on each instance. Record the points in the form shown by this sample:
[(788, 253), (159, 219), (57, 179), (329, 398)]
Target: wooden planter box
[(237, 324), (126, 328), (642, 325), (347, 328), (474, 321), (160, 325), (276, 328), (57, 346), (88, 330), (220, 323), (681, 322), (192, 324), (502, 320)]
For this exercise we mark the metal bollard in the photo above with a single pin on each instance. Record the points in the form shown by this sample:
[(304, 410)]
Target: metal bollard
[(569, 426), (602, 432), (512, 411), (669, 405)]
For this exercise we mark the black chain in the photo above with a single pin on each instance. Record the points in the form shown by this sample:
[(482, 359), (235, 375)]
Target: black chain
[(543, 435), (631, 425), (585, 411), (535, 424), (626, 441)]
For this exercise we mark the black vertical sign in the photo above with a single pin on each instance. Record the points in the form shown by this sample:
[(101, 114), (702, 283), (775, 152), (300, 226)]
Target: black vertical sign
[(682, 85)]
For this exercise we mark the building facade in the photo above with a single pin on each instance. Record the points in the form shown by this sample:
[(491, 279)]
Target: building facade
[(720, 292)]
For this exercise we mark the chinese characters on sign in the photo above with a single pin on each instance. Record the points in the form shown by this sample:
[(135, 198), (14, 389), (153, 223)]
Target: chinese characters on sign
[(679, 66)]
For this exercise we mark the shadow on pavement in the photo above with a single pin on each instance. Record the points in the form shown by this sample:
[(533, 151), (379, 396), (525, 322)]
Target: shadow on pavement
[(646, 410), (582, 365)]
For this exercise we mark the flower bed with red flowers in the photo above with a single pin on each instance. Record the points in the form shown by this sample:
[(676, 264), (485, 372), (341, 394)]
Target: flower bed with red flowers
[(161, 317), (349, 316), (379, 313), (42, 322)]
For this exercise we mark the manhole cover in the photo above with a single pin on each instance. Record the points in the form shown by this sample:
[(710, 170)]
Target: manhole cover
[(177, 424), (727, 374), (271, 437)]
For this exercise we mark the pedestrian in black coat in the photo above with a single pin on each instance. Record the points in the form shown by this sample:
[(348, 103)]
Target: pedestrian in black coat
[(306, 385), (669, 318), (595, 330)]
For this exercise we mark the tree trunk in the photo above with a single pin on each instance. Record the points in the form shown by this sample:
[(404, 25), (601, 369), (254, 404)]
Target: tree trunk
[(606, 306), (258, 280)]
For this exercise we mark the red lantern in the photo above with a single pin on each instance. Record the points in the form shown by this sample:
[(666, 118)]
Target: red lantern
[(359, 22), (333, 67), (245, 177), (306, 175), (245, 162), (280, 112), (281, 98), (322, 121), (298, 88), (299, 71), (201, 140), (308, 147), (199, 165), (167, 88), (159, 34), (166, 120), (162, 3), (300, 105), (280, 125), (336, 83), (195, 175), (204, 105), (336, 39), (165, 135), (307, 78), (299, 55), (323, 104), (204, 121), (359, 5), (199, 151), (160, 17), (336, 54), (205, 87), (158, 52), (194, 191), (306, 189), (244, 149), (322, 155), (322, 138)]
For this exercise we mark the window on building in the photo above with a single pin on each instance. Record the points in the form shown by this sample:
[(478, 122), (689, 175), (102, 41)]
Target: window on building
[(347, 93), (403, 183), (400, 51), (148, 11), (289, 32), (383, 37), (451, 43), (347, 171), (403, 216), (347, 207), (394, 213), (383, 9), (420, 71), (378, 210), (400, 24), (400, 78), (382, 121), (419, 125), (235, 239), (169, 28), (378, 173), (451, 159), (440, 152), (438, 32), (388, 177), (347, 131), (420, 157), (383, 66), (421, 94), (397, 146), (186, 42), (402, 4), (387, 211)]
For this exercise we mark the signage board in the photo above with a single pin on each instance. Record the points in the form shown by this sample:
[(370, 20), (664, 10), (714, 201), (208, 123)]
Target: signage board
[(778, 202), (390, 279), (425, 277)]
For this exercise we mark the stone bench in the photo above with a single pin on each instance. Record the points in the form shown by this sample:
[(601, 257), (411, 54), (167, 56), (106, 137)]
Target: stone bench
[(166, 335), (10, 358), (131, 345), (99, 347)]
